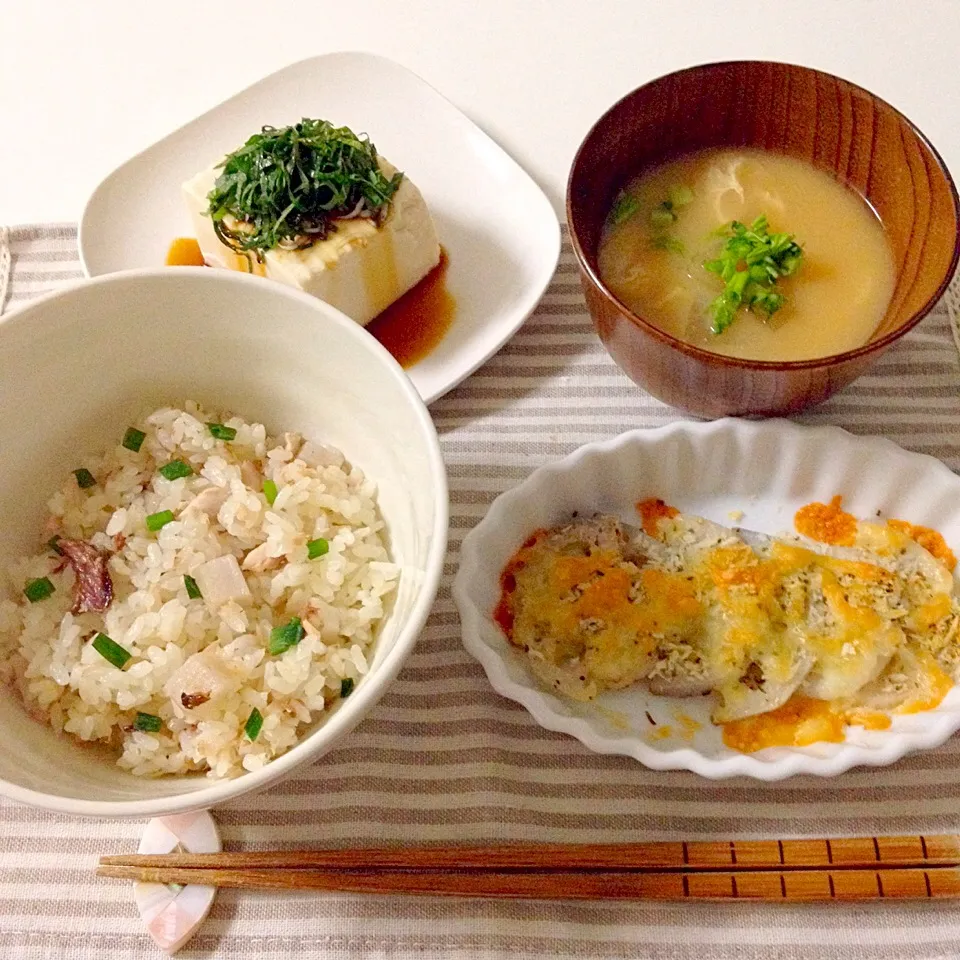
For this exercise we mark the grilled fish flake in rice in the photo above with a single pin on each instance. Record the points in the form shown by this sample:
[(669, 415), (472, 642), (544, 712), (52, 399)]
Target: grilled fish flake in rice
[(795, 637), (150, 620)]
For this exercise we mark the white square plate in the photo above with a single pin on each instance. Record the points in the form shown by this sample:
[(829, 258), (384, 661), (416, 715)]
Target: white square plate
[(499, 230)]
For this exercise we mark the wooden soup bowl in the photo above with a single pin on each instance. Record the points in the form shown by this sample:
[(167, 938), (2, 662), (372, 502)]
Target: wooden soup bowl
[(839, 128)]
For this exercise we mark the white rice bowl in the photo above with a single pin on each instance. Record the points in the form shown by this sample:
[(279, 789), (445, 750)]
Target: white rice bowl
[(80, 365), (215, 647)]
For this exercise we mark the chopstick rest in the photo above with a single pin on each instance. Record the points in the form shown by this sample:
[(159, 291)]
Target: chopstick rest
[(173, 912)]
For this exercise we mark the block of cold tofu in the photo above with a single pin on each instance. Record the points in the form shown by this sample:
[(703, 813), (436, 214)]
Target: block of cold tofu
[(360, 268)]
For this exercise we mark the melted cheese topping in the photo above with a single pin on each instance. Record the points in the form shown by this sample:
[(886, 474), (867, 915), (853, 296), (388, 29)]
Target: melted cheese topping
[(798, 723), (930, 687), (826, 523), (651, 512), (803, 720), (868, 719), (796, 642), (930, 540)]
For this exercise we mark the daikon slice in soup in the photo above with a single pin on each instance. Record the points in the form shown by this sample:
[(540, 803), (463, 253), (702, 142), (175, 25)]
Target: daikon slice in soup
[(749, 254)]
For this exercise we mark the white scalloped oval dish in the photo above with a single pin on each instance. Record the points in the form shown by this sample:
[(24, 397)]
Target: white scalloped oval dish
[(766, 470)]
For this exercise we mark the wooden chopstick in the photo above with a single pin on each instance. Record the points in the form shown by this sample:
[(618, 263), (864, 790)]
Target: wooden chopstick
[(804, 885), (836, 854), (860, 868)]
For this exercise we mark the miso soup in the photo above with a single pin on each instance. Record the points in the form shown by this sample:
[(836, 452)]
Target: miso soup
[(671, 221)]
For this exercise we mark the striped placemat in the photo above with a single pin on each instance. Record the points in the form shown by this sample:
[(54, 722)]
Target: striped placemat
[(443, 758)]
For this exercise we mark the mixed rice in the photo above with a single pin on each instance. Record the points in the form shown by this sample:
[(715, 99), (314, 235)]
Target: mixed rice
[(204, 592)]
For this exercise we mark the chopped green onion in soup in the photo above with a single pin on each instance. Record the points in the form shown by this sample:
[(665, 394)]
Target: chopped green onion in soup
[(751, 261), (662, 216), (625, 207), (680, 195)]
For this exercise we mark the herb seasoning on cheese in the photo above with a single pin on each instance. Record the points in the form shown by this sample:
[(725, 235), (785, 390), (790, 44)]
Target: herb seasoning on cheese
[(317, 208), (795, 638)]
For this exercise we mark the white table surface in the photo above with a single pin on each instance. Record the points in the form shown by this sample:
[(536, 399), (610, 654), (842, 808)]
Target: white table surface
[(85, 85)]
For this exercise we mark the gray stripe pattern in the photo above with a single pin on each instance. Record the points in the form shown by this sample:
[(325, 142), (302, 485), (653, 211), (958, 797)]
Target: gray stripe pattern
[(444, 759)]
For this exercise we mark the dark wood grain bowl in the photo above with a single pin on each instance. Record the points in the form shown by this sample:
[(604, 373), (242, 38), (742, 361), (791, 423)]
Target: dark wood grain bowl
[(838, 127)]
